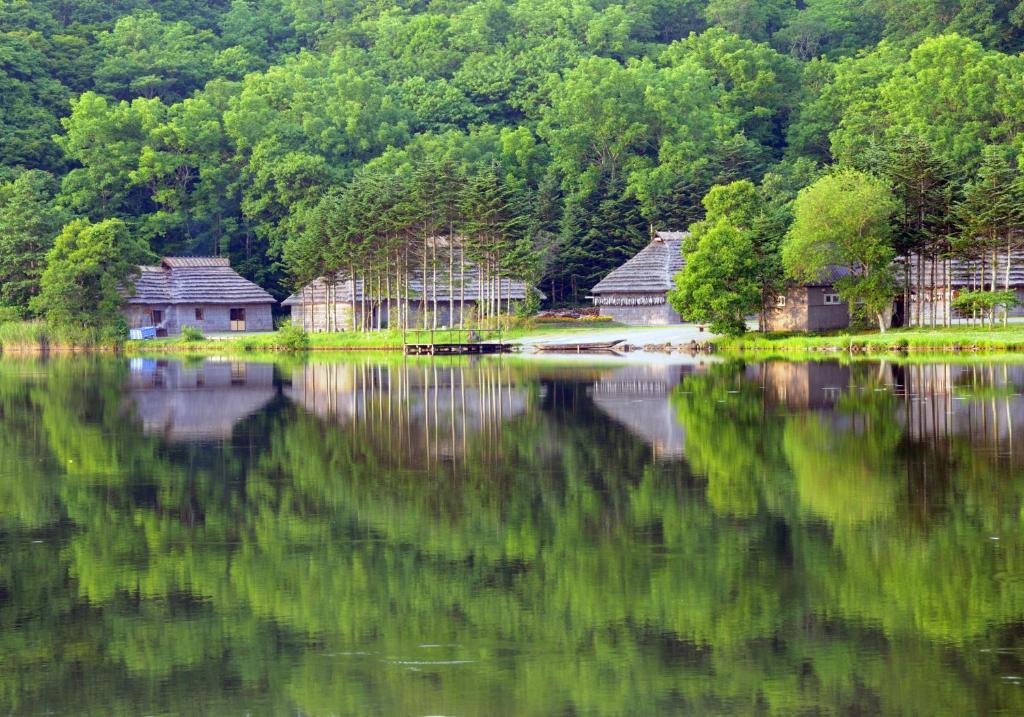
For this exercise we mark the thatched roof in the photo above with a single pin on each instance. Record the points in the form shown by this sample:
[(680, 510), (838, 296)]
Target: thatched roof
[(195, 280), (345, 290), (650, 271)]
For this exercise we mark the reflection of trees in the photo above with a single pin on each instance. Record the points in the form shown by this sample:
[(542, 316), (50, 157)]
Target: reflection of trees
[(793, 571)]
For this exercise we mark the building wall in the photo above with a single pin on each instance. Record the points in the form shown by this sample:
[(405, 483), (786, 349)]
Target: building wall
[(937, 300), (651, 315), (806, 310), (216, 318)]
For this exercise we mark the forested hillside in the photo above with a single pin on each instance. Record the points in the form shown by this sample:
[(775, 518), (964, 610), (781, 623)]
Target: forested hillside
[(238, 127)]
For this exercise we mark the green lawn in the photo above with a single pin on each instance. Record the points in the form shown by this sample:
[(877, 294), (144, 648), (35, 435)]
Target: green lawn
[(954, 338)]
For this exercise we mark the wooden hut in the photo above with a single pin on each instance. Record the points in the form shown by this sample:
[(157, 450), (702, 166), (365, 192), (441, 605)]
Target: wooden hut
[(636, 293), (200, 291), (339, 303), (814, 306), (942, 280)]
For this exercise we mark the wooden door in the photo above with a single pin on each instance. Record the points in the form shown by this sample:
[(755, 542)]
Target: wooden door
[(238, 319)]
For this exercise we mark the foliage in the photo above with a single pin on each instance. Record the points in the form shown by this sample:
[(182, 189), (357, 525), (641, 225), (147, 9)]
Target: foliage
[(290, 337), (88, 271), (844, 220), (717, 285), (10, 313), (221, 128), (984, 303), (191, 334), (29, 222)]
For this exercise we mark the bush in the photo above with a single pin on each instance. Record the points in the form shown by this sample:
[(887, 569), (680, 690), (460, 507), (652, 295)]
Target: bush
[(982, 303), (291, 338), (190, 334), (528, 306), (9, 314)]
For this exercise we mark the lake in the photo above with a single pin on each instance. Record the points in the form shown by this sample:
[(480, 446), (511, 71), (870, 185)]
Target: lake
[(510, 536)]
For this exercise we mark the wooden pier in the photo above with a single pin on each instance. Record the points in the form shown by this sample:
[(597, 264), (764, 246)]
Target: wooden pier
[(457, 349)]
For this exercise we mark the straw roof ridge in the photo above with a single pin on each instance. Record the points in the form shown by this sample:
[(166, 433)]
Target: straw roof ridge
[(195, 280), (651, 271)]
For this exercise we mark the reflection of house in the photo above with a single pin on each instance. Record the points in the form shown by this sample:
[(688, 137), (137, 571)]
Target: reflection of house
[(200, 291), (637, 292), (328, 304), (638, 398), (809, 385), (419, 409), (808, 307), (202, 402)]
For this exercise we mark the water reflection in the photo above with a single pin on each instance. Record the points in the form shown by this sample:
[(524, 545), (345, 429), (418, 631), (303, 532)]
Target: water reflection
[(506, 538), (203, 400), (636, 396), (430, 409)]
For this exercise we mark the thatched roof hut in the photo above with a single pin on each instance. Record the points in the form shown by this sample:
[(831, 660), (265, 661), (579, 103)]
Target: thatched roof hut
[(330, 301), (200, 291), (637, 292)]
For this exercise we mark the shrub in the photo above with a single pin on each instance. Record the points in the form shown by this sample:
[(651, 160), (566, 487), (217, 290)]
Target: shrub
[(528, 306), (291, 338), (190, 334), (9, 314)]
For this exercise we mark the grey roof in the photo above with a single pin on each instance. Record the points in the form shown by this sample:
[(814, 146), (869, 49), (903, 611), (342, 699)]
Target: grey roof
[(195, 280), (830, 276), (650, 271), (342, 292)]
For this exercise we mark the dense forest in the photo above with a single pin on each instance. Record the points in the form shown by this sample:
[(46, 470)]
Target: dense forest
[(249, 128)]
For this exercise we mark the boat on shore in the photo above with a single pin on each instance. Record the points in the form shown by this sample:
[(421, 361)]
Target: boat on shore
[(578, 347)]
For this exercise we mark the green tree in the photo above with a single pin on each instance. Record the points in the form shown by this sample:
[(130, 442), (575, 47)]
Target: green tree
[(88, 270), (29, 223), (844, 221), (717, 285)]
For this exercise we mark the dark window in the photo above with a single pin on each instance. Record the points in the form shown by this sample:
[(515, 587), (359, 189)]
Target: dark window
[(200, 315), (238, 319), (158, 316)]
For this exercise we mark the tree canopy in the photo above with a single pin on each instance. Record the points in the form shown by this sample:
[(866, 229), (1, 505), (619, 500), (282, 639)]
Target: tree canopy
[(216, 128)]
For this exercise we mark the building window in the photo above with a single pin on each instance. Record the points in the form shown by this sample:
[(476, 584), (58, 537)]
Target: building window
[(200, 315), (158, 316), (238, 319), (780, 302), (832, 300)]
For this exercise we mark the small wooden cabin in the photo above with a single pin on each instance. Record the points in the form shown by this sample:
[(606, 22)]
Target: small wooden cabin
[(809, 307), (942, 280), (333, 304), (200, 291), (637, 292)]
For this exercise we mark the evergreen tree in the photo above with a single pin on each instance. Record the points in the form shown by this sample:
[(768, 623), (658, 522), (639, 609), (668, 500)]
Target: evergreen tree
[(29, 223)]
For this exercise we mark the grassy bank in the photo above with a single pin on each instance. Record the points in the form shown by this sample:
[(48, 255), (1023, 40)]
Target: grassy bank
[(355, 341), (954, 339), (32, 337)]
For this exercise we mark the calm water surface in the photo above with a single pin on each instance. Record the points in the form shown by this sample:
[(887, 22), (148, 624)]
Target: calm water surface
[(505, 537)]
